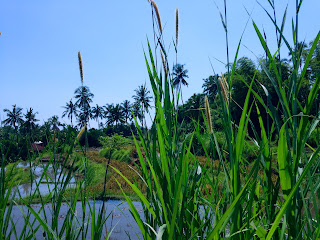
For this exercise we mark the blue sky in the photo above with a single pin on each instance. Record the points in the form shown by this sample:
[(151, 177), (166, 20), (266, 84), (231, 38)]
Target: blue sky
[(40, 41)]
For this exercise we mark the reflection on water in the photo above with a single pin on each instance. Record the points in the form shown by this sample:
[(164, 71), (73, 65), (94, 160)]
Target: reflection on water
[(120, 219), (43, 183)]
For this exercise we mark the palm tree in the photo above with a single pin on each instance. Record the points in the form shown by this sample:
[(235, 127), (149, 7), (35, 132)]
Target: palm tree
[(97, 112), (115, 115), (136, 110), (210, 87), (107, 109), (14, 118), (70, 110), (179, 77), (84, 98), (83, 117), (142, 99), (126, 110), (54, 123), (31, 120)]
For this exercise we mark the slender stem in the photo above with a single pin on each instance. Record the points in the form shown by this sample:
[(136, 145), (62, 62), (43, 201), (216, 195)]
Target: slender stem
[(154, 34), (105, 180), (227, 42), (277, 34)]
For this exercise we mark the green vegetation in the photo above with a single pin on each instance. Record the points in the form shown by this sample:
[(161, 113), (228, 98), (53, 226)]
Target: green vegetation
[(19, 175), (261, 194), (238, 161)]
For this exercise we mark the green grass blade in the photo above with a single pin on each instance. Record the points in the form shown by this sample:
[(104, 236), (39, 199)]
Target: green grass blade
[(227, 215), (284, 207)]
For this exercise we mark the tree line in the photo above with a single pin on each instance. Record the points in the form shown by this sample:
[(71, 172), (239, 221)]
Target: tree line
[(117, 118)]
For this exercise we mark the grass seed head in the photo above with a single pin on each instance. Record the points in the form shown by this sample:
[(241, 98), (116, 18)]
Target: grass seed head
[(80, 66), (80, 134), (225, 88), (225, 82), (177, 26), (155, 7), (208, 114), (164, 62)]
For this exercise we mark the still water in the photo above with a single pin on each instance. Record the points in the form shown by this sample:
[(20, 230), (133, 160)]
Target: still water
[(120, 219)]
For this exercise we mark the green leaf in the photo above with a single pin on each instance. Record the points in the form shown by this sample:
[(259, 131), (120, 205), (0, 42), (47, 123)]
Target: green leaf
[(284, 207), (227, 215), (283, 154)]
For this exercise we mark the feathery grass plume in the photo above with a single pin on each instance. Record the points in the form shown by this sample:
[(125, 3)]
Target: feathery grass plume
[(177, 26), (164, 62), (155, 7), (80, 134), (80, 66), (225, 88), (225, 82), (208, 114)]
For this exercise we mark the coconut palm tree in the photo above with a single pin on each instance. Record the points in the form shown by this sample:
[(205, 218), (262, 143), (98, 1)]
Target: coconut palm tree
[(179, 77), (14, 118), (84, 98), (31, 120), (70, 110), (83, 117), (97, 112), (142, 98), (115, 115), (136, 110), (54, 123), (107, 109), (126, 110)]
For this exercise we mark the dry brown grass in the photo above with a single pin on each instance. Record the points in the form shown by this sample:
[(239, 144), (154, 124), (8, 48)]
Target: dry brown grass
[(155, 7), (112, 187), (94, 156)]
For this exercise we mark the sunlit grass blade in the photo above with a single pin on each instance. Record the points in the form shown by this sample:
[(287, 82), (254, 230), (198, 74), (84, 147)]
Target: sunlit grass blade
[(285, 205), (227, 215)]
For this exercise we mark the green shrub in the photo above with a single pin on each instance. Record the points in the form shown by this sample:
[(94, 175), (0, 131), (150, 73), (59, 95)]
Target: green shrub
[(93, 136), (122, 154), (221, 138), (9, 150), (19, 175)]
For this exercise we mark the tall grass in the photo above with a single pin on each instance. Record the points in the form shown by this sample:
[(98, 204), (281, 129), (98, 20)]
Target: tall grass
[(170, 173), (5, 203), (267, 199), (270, 198), (286, 208), (61, 192), (61, 201)]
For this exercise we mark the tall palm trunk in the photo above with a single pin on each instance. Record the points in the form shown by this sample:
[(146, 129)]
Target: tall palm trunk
[(181, 93), (16, 129)]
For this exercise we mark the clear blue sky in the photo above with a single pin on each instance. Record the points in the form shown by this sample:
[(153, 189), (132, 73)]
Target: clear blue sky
[(40, 41)]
